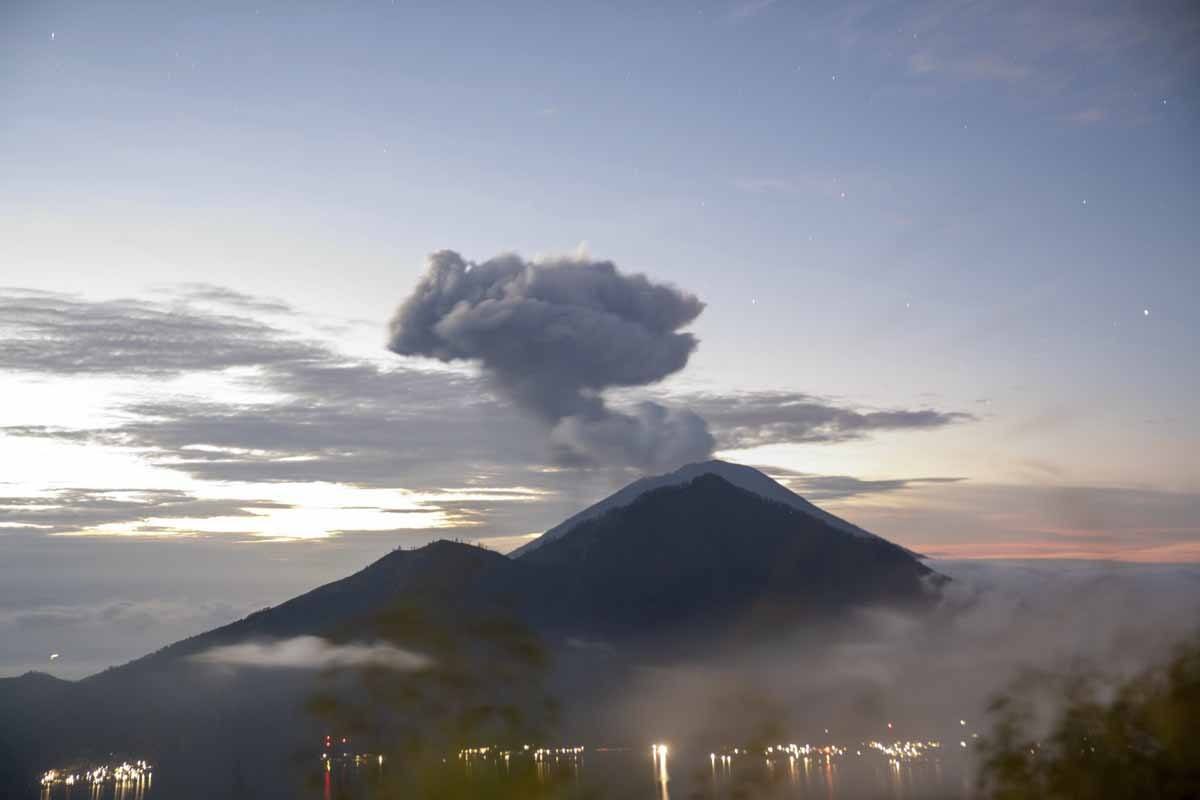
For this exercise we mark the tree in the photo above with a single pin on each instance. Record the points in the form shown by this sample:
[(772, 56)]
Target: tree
[(483, 686), (1137, 739)]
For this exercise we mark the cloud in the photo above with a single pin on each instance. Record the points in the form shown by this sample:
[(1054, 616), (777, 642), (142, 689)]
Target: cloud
[(753, 419), (651, 436), (83, 510), (922, 672), (60, 334), (319, 416), (101, 601), (313, 652), (117, 616), (224, 296), (55, 608), (552, 336), (843, 487)]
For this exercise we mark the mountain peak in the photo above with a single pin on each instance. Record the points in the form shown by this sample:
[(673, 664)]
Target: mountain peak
[(739, 475), (706, 552)]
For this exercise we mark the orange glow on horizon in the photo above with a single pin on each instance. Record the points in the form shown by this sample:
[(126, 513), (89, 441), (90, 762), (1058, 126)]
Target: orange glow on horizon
[(1175, 553)]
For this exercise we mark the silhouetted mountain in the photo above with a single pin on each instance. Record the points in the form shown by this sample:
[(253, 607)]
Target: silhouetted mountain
[(655, 563), (31, 683), (443, 578), (683, 549), (739, 475), (23, 701), (708, 552)]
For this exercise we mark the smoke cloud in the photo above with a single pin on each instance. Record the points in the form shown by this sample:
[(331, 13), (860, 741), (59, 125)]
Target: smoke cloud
[(552, 335), (312, 652)]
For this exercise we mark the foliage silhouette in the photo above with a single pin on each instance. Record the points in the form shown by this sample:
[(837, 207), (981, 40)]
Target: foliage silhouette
[(1137, 739)]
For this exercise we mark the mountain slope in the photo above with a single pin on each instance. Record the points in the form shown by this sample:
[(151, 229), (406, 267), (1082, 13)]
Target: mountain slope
[(196, 720), (707, 551), (629, 581), (441, 578), (739, 475)]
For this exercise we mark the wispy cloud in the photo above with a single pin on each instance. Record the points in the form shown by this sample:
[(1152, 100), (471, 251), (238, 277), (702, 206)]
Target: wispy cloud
[(58, 334), (307, 415), (85, 510), (843, 487), (752, 419), (313, 652), (67, 620)]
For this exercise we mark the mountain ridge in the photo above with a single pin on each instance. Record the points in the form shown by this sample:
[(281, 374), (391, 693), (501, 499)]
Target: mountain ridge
[(741, 475), (683, 571)]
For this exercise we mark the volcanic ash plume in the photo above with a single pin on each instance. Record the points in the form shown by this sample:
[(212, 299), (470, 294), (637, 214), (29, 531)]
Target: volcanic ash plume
[(552, 335)]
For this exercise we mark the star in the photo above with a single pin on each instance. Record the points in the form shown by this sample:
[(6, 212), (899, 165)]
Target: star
[(1145, 312), (1085, 202), (52, 39)]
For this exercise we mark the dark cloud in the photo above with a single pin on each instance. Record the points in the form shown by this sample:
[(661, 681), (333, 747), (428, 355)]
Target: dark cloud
[(552, 336), (759, 418), (333, 418), (440, 437), (324, 417), (75, 510)]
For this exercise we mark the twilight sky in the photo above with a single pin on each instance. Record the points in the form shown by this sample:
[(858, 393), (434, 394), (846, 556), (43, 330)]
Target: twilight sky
[(946, 251)]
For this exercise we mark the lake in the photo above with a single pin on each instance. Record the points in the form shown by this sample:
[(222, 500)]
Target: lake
[(857, 773), (854, 772)]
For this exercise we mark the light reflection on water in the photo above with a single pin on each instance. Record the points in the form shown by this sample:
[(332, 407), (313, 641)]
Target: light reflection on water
[(129, 790), (661, 774)]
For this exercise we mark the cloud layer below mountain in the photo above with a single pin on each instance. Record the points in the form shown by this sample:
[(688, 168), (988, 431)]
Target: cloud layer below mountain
[(312, 652)]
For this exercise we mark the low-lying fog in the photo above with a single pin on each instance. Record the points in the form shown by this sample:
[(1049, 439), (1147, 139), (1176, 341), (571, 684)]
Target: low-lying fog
[(924, 675)]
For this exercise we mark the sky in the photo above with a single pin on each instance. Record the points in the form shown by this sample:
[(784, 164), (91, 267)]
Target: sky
[(933, 265)]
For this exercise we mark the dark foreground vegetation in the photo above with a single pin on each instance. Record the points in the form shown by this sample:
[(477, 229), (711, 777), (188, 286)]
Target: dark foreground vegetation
[(1133, 740)]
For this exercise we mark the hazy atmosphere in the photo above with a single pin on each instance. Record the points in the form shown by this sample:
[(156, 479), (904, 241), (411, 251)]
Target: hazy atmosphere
[(285, 286)]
